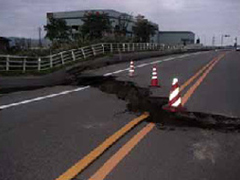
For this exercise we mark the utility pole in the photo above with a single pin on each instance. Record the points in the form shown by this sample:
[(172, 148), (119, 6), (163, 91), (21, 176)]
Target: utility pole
[(235, 42), (40, 38), (222, 40), (213, 41)]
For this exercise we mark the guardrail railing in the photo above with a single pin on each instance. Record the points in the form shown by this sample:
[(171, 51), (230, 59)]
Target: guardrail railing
[(26, 63)]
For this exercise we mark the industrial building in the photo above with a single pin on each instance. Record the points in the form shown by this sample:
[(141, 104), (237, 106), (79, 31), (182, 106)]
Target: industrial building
[(74, 20), (176, 37)]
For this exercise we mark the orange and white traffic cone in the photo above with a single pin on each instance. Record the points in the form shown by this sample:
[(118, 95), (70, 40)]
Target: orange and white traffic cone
[(175, 100), (154, 81), (131, 69)]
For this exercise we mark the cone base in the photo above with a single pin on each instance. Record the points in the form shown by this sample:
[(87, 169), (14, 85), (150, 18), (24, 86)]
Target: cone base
[(174, 109), (131, 76)]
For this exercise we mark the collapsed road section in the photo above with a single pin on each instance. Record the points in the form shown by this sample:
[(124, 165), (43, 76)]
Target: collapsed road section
[(140, 100)]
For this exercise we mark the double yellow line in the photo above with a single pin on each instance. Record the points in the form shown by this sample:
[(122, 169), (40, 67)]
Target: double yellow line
[(93, 155), (205, 70), (125, 149)]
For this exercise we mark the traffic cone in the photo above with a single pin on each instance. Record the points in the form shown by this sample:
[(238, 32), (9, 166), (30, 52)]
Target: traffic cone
[(175, 100), (154, 81), (131, 69)]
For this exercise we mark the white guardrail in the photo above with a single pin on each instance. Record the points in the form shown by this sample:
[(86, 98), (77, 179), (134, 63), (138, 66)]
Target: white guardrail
[(26, 63)]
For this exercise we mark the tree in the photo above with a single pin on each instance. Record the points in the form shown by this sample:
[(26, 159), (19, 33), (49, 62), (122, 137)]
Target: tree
[(143, 30), (81, 39), (57, 30), (121, 28), (95, 25)]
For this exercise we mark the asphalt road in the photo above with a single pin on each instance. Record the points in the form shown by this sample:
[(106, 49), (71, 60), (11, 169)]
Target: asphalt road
[(41, 139)]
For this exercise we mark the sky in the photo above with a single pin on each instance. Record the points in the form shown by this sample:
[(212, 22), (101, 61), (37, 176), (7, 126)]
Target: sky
[(206, 18)]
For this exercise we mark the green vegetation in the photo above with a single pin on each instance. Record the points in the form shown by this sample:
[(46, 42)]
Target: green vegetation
[(57, 31), (95, 25), (97, 28), (143, 29)]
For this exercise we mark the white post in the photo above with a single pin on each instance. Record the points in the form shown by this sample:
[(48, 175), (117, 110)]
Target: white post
[(123, 47), (51, 61), (24, 64), (84, 55), (111, 48), (103, 48), (129, 47), (133, 47), (94, 53), (39, 64), (7, 63), (62, 58), (73, 56), (118, 47)]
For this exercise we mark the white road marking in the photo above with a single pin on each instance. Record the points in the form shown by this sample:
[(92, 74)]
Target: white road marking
[(43, 97), (183, 56), (169, 59), (85, 87), (147, 64), (119, 71), (142, 65), (108, 74)]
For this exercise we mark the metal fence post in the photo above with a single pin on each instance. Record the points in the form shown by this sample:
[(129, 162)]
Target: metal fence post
[(24, 64), (128, 45), (111, 48), (84, 55), (51, 61), (118, 47), (123, 45), (103, 48), (73, 56), (7, 63), (39, 64), (62, 58), (94, 53)]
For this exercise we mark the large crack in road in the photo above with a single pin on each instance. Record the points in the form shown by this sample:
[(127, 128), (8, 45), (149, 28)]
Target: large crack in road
[(141, 100)]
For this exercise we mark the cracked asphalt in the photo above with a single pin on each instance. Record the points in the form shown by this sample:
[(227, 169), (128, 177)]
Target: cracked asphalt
[(40, 140)]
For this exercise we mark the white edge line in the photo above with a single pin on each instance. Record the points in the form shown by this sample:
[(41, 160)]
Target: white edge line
[(142, 65), (42, 98), (82, 88)]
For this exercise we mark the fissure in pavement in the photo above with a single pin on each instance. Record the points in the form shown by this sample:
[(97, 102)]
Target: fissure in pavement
[(140, 100)]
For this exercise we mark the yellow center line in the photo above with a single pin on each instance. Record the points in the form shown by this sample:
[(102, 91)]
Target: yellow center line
[(121, 153), (197, 74), (93, 155), (199, 81), (111, 163)]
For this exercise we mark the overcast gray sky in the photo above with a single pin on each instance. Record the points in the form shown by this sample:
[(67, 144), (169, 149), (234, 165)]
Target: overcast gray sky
[(206, 18)]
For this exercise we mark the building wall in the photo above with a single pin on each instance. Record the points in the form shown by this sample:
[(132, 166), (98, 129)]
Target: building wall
[(74, 19), (176, 37)]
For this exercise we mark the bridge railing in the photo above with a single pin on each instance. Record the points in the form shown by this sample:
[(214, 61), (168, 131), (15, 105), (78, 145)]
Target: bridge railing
[(26, 63)]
